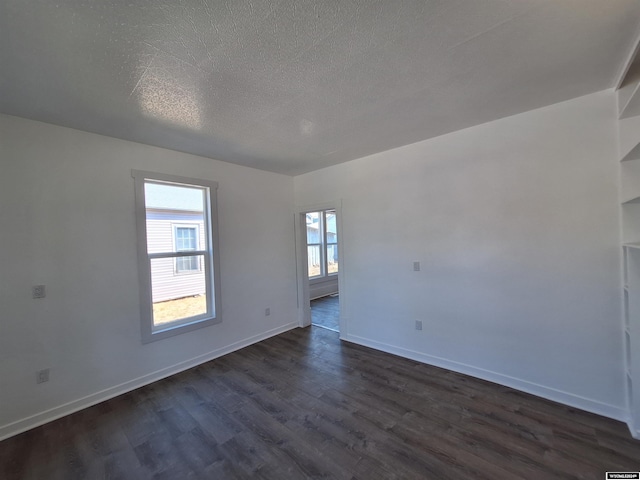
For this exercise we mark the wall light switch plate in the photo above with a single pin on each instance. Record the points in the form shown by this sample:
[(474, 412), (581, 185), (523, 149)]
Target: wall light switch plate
[(416, 266), (42, 376), (418, 324), (38, 291)]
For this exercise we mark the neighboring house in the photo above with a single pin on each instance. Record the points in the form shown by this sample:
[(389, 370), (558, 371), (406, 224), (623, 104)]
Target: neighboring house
[(175, 230)]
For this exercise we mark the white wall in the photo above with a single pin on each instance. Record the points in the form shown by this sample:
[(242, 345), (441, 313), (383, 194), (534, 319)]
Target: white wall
[(67, 221), (322, 288), (516, 225)]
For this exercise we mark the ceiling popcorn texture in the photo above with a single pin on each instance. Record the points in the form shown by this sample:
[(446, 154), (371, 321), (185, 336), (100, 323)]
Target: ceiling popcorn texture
[(292, 86)]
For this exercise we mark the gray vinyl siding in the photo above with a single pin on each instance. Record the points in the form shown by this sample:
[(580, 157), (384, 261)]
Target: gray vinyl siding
[(167, 283)]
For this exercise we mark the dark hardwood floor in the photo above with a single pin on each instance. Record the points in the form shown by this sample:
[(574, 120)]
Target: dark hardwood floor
[(305, 405), (325, 312)]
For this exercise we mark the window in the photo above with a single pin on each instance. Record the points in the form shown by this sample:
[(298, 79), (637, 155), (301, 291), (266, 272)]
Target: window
[(177, 254), (186, 240), (322, 244)]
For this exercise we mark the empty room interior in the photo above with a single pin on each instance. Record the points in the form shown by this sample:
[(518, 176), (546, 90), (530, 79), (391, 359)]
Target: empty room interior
[(457, 182)]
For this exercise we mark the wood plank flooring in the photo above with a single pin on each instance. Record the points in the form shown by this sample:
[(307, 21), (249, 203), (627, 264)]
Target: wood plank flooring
[(305, 405), (325, 312)]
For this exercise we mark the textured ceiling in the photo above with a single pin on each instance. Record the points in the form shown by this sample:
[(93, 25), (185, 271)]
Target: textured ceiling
[(291, 86)]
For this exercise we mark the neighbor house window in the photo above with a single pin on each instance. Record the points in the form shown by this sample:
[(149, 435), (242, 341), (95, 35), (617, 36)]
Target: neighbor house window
[(186, 240), (322, 244), (177, 254)]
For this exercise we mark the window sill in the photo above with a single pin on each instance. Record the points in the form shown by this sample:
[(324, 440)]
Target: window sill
[(178, 328), (329, 278)]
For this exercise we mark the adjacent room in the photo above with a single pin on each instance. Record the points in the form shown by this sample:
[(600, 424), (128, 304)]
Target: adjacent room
[(288, 239), (322, 267)]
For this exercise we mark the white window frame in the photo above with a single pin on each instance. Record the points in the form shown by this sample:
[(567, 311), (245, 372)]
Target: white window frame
[(320, 245), (209, 251), (324, 245), (174, 229)]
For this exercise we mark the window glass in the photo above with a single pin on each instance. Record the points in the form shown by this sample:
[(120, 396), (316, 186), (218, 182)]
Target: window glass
[(314, 260), (332, 259), (166, 202), (177, 300), (322, 243), (332, 231), (332, 241), (314, 229)]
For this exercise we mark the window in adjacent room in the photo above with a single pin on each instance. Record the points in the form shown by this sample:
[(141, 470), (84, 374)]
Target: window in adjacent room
[(177, 254), (322, 244)]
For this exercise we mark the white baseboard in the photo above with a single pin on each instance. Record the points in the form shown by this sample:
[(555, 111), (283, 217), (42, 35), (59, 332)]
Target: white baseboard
[(322, 290), (589, 405), (60, 411), (635, 433)]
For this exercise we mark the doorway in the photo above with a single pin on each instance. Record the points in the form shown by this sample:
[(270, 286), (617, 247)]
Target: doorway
[(323, 265), (319, 247)]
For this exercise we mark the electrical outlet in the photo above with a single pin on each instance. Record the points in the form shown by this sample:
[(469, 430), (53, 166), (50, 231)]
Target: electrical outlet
[(42, 376), (418, 324), (267, 312), (38, 291), (416, 266)]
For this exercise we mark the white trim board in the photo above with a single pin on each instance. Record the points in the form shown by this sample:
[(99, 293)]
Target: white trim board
[(631, 56), (548, 393), (60, 411)]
